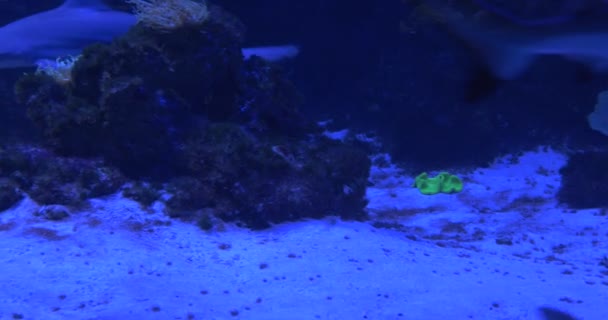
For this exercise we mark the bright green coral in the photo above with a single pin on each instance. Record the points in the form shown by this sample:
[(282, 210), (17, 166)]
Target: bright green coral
[(442, 183)]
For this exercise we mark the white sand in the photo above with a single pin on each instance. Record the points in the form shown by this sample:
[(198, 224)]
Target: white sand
[(114, 261)]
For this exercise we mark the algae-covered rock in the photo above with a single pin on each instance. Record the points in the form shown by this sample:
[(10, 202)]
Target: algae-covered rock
[(182, 107), (51, 179)]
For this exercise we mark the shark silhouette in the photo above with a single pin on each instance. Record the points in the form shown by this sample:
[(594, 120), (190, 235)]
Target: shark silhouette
[(505, 50), (508, 48), (69, 28), (65, 30)]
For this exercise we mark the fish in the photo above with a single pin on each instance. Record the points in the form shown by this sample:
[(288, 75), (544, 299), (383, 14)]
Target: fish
[(272, 53), (61, 31), (76, 24), (506, 49)]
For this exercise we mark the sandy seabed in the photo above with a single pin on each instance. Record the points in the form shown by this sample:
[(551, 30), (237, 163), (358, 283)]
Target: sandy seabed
[(498, 250)]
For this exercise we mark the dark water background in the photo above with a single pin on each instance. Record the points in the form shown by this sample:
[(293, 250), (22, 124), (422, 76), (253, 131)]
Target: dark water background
[(377, 66)]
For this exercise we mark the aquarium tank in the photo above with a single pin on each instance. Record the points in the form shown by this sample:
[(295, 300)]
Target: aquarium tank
[(304, 160)]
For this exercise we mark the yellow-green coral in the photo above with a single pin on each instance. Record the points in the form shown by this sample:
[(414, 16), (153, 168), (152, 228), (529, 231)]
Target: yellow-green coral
[(60, 69), (442, 183), (167, 15)]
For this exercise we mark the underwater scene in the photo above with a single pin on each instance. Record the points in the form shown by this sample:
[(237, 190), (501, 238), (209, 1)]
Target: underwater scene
[(304, 160)]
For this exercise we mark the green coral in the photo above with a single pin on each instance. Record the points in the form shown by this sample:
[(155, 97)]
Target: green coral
[(442, 183)]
